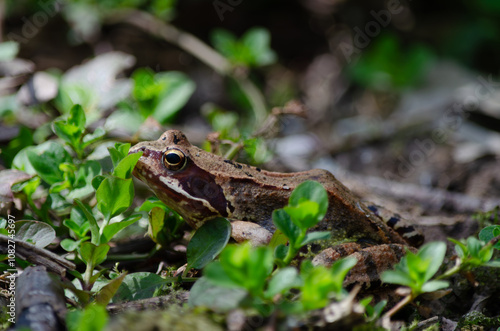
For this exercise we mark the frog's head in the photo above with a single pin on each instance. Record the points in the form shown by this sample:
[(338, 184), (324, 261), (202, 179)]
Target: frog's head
[(172, 168)]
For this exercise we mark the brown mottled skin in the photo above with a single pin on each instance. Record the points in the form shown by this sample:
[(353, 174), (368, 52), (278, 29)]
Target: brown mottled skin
[(208, 186)]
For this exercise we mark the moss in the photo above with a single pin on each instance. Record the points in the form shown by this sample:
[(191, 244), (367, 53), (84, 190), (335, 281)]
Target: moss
[(174, 318), (475, 318)]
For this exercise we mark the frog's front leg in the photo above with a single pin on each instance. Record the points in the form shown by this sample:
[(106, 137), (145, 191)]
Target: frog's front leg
[(372, 260)]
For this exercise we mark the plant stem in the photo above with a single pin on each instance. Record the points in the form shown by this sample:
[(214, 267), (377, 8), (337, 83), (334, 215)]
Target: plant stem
[(406, 300), (235, 148), (292, 251), (87, 275), (450, 272)]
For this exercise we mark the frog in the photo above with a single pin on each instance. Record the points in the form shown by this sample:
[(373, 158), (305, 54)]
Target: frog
[(201, 186)]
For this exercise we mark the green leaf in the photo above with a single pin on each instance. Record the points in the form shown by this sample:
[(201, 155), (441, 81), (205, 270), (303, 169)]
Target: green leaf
[(258, 41), (82, 185), (282, 281), (150, 203), (124, 119), (316, 236), (71, 94), (161, 95), (277, 239), (114, 196), (69, 133), (139, 285), (118, 152), (474, 246), (222, 121), (77, 117), (163, 222), (106, 293), (304, 215), (460, 248), (225, 42), (253, 49), (247, 266), (284, 223), (38, 233), (157, 226), (8, 50), (69, 245), (494, 263), (433, 252), (111, 229), (280, 252), (310, 190), (23, 139), (28, 186), (79, 230), (434, 285), (300, 204), (71, 130), (396, 277), (145, 86), (97, 180), (46, 158), (319, 284), (208, 294), (21, 161), (340, 269), (218, 276), (257, 150), (490, 232), (208, 242), (92, 318), (126, 165), (387, 66), (93, 254), (91, 138), (94, 227), (178, 89)]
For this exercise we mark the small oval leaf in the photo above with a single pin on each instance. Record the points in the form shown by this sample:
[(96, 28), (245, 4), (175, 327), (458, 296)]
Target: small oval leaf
[(38, 233), (208, 242)]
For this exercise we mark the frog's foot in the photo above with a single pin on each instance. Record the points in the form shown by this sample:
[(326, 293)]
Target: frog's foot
[(372, 261), (248, 231)]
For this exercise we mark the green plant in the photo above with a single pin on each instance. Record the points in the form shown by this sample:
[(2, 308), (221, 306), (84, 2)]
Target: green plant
[(252, 50), (65, 181), (415, 271), (385, 66), (263, 275), (307, 206), (161, 95), (476, 253)]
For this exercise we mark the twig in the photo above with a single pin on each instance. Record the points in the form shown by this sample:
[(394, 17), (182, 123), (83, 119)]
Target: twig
[(433, 198), (38, 256), (196, 48), (151, 303)]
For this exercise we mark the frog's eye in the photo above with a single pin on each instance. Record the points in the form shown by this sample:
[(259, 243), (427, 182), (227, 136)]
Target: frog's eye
[(174, 159)]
